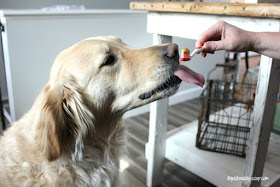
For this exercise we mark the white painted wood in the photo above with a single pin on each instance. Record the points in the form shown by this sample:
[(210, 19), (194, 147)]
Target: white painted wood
[(265, 101), (155, 148), (250, 1), (4, 93), (10, 115), (216, 167), (192, 25)]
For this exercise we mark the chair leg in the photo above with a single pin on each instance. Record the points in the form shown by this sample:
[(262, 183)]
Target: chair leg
[(247, 60)]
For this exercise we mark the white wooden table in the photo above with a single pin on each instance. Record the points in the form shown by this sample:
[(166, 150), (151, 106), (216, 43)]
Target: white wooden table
[(189, 20)]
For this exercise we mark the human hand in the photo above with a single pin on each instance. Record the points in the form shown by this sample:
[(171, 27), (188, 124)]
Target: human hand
[(223, 36)]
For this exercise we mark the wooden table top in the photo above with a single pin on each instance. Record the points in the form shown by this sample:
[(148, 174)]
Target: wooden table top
[(232, 9)]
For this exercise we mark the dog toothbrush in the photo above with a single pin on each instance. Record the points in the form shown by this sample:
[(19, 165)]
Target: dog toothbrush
[(185, 53)]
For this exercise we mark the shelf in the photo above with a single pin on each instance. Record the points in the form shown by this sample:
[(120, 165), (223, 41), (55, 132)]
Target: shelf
[(216, 167)]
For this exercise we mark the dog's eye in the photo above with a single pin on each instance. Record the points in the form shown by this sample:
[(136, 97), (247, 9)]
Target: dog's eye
[(110, 60)]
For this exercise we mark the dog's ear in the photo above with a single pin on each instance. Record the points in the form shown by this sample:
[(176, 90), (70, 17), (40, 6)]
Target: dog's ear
[(79, 118), (51, 133), (65, 120)]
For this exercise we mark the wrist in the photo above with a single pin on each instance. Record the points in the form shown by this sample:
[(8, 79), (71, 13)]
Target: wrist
[(253, 38)]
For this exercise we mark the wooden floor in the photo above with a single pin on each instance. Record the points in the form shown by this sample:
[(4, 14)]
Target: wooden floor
[(174, 176)]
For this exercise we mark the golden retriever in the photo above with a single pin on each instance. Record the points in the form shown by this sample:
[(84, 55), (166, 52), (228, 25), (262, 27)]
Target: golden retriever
[(73, 135)]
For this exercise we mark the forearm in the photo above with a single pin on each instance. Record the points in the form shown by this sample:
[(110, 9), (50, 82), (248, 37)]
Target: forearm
[(266, 43)]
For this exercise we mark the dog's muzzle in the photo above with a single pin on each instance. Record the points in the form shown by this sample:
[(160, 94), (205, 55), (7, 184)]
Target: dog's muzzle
[(170, 56)]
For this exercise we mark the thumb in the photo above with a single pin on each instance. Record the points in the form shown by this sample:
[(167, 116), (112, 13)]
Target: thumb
[(198, 44)]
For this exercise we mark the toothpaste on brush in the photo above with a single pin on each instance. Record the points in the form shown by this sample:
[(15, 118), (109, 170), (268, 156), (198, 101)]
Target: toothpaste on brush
[(186, 74)]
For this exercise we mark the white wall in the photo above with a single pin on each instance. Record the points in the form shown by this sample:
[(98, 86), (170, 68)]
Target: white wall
[(33, 40), (89, 4)]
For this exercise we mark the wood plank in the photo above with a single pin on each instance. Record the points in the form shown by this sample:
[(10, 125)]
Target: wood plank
[(189, 106), (134, 134), (129, 180), (190, 26), (142, 162), (138, 137), (276, 183), (175, 121), (173, 180), (182, 115), (185, 117), (133, 153), (134, 169), (194, 104), (137, 129), (184, 176), (135, 144), (265, 101), (142, 119), (232, 9), (185, 110)]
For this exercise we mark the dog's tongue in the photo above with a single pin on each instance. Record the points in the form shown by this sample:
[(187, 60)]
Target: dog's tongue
[(187, 75)]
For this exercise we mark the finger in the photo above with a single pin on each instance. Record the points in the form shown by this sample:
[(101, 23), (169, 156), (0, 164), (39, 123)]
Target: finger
[(203, 54), (212, 46), (212, 33)]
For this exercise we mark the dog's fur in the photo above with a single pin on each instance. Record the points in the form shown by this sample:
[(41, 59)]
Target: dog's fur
[(73, 135)]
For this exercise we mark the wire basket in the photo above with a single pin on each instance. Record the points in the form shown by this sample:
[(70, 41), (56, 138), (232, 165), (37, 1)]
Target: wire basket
[(226, 117)]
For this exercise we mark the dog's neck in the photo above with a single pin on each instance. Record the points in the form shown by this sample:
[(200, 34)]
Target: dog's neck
[(107, 126)]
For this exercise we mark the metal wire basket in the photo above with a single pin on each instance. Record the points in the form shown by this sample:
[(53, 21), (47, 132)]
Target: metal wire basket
[(226, 117)]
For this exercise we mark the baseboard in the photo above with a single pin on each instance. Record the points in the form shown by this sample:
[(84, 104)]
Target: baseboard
[(185, 95), (179, 97)]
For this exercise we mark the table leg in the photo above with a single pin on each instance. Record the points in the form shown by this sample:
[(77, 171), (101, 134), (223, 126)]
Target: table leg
[(155, 148), (265, 101)]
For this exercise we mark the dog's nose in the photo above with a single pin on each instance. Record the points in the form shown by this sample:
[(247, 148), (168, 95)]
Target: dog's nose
[(171, 51)]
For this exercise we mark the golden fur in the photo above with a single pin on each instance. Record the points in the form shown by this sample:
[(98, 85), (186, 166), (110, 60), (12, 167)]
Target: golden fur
[(73, 135)]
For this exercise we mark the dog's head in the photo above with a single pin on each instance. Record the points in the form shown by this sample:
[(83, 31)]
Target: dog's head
[(100, 78)]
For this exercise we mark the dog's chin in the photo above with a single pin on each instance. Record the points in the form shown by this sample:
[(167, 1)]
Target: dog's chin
[(165, 89)]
